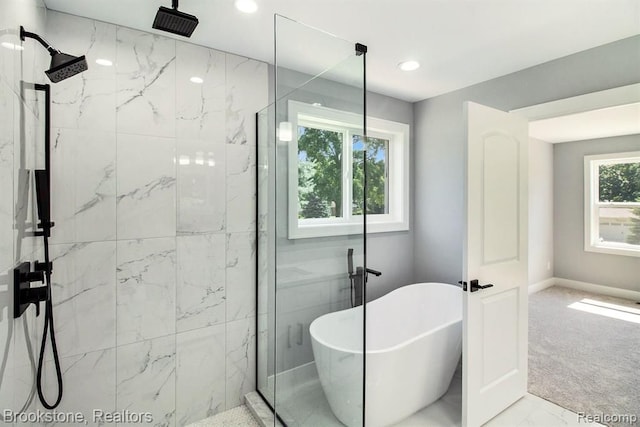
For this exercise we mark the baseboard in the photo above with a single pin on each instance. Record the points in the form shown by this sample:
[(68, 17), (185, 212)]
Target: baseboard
[(598, 289), (537, 287)]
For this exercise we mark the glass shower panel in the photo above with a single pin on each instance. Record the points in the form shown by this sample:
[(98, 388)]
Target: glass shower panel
[(319, 109)]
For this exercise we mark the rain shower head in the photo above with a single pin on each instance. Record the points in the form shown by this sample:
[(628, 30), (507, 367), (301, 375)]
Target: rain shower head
[(174, 21), (63, 65)]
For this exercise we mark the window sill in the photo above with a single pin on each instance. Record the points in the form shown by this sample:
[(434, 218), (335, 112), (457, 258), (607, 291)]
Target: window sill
[(622, 249), (345, 229)]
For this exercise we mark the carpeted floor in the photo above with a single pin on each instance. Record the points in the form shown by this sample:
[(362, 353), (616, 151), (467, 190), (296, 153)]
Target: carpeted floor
[(583, 361)]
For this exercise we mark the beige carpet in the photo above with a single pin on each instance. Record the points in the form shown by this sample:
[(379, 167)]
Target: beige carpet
[(584, 361)]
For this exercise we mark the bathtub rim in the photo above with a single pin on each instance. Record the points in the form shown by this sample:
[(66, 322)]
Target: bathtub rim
[(397, 346)]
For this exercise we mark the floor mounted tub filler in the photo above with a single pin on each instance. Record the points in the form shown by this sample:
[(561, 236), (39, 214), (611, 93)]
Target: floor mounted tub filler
[(414, 343)]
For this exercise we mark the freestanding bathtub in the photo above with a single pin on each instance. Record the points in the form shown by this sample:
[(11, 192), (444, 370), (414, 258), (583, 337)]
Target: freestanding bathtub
[(414, 342)]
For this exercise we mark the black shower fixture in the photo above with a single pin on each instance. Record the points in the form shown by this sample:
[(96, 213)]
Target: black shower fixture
[(63, 65), (174, 21)]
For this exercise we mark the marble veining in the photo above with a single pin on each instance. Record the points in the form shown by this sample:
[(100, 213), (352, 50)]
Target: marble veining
[(146, 379), (247, 91), (241, 298), (146, 289), (200, 107), (146, 96), (241, 174), (201, 281), (84, 184), (200, 374), (84, 286), (146, 194), (95, 368), (87, 101), (240, 360)]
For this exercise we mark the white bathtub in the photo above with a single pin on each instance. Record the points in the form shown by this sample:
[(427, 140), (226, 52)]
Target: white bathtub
[(414, 342)]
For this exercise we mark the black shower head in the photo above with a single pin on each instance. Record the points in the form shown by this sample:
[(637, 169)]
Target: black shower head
[(63, 65), (174, 21)]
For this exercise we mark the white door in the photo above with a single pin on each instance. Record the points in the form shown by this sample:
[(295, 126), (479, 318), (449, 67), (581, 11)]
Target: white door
[(495, 252)]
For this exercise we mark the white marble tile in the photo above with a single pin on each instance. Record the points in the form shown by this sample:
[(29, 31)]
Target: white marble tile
[(25, 159), (21, 372), (89, 385), (146, 289), (63, 179), (201, 186), (263, 273), (240, 349), (83, 185), (146, 194), (85, 102), (7, 99), (247, 93), (201, 281), (84, 296), (200, 374), (146, 380), (241, 191), (146, 96), (88, 100), (241, 276), (200, 107), (6, 176)]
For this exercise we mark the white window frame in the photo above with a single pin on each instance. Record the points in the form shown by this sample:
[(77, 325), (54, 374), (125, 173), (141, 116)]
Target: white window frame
[(398, 177), (592, 204)]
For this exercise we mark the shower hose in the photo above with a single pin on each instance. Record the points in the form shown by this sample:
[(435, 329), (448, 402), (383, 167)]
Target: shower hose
[(48, 327)]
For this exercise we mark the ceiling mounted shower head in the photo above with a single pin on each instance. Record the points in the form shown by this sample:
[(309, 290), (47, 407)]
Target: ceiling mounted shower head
[(174, 21), (63, 65)]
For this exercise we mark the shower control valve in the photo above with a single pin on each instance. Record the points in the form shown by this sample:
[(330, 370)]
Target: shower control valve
[(23, 293)]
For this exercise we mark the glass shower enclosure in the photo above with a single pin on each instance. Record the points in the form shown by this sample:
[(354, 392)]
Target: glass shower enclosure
[(311, 212)]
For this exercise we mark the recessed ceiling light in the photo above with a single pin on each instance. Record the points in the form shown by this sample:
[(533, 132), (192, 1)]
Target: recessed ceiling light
[(409, 65), (246, 6), (12, 46), (104, 62), (196, 79)]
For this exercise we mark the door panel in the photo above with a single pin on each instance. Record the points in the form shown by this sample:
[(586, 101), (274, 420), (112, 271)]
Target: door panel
[(495, 252)]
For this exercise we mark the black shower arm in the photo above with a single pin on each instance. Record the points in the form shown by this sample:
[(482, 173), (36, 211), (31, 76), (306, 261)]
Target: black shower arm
[(24, 34), (174, 4)]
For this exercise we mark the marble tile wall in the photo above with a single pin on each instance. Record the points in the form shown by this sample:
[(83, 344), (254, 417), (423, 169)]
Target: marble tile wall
[(20, 152), (154, 204)]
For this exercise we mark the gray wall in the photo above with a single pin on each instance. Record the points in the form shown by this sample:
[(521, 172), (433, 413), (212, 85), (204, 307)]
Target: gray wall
[(440, 139), (540, 211), (571, 260), (391, 253)]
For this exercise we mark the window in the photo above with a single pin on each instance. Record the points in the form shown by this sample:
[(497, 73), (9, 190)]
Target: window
[(612, 203), (326, 178)]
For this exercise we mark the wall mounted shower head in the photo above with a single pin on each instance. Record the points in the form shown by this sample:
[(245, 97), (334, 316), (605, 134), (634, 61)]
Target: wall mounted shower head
[(63, 65), (174, 21)]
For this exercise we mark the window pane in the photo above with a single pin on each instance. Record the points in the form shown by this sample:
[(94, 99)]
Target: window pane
[(377, 175), (619, 224), (620, 182), (319, 173)]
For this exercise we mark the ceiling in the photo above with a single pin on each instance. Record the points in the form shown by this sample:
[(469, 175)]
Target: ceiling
[(600, 123), (458, 42)]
